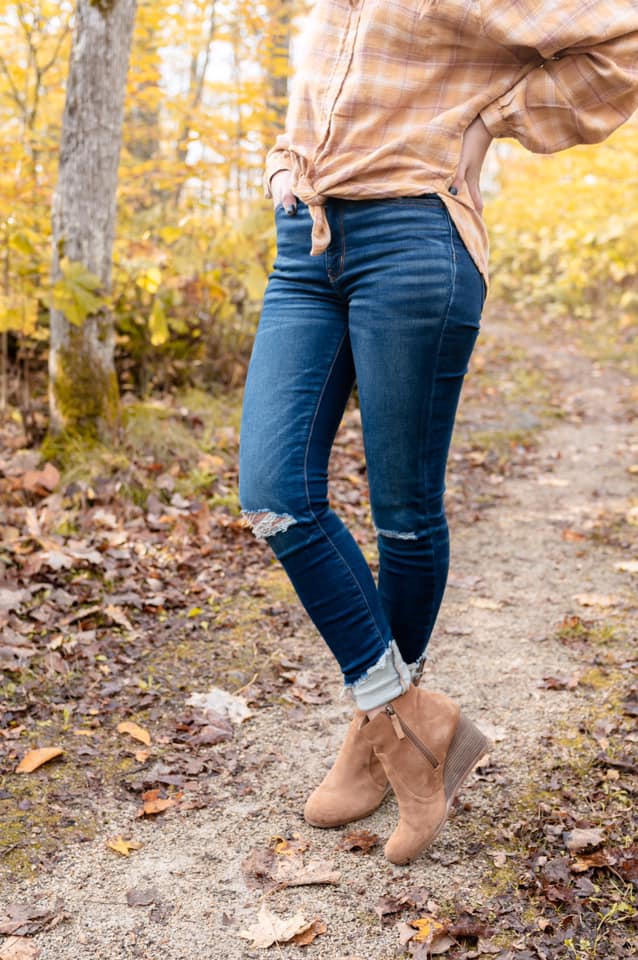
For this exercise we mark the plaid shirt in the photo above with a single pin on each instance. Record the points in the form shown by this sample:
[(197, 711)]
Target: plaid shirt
[(386, 89)]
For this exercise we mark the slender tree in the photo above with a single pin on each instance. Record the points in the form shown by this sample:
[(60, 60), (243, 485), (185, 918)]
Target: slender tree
[(83, 389)]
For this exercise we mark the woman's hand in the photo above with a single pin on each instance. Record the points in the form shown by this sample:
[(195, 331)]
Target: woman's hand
[(281, 192), (476, 141)]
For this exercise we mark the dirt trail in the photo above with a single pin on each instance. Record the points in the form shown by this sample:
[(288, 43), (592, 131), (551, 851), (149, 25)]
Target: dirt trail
[(515, 575)]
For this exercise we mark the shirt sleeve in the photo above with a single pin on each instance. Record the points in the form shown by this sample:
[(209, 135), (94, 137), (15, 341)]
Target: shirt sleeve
[(586, 84), (278, 158)]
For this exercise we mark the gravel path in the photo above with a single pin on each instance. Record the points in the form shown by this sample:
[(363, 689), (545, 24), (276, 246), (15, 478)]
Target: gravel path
[(515, 576)]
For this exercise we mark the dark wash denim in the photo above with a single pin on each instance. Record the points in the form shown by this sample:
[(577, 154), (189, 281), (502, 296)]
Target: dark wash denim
[(395, 304)]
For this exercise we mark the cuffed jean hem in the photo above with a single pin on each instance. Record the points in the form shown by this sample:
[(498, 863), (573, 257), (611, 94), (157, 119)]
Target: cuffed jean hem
[(386, 680), (416, 669)]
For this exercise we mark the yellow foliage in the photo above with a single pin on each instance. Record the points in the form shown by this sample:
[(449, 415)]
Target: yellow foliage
[(564, 231)]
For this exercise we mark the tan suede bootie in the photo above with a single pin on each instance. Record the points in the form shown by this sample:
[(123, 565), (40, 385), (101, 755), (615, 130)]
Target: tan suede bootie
[(427, 749), (355, 785)]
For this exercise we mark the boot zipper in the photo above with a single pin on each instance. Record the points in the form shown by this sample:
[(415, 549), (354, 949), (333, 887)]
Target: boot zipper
[(402, 730)]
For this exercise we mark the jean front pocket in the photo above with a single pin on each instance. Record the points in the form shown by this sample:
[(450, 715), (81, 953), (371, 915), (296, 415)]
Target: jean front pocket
[(421, 200)]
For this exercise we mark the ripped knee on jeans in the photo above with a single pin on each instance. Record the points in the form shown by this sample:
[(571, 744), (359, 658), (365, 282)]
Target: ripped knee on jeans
[(266, 523)]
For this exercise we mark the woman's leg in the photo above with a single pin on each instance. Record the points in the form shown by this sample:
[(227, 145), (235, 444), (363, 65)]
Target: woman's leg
[(415, 308), (299, 379)]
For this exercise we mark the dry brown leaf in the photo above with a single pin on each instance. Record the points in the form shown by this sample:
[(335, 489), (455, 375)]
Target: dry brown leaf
[(153, 803), (559, 683), (16, 948), (269, 928), (290, 847), (387, 905), (600, 858), (292, 872), (142, 755), (359, 840), (486, 946), (122, 846), (142, 896), (134, 730), (597, 600), (316, 928), (118, 616), (41, 481), (577, 840), (485, 603), (35, 758), (257, 867), (440, 944), (573, 536), (427, 929)]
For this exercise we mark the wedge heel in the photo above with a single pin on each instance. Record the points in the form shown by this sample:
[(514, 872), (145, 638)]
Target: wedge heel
[(467, 747)]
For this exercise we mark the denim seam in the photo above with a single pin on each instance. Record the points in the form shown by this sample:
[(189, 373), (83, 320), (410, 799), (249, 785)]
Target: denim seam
[(427, 437), (309, 501)]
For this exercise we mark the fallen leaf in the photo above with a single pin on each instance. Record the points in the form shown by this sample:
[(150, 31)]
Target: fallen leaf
[(468, 926), (485, 603), (11, 599), (576, 840), (142, 896), (627, 864), (559, 683), (387, 905), (216, 731), (500, 859), (290, 847), (16, 948), (118, 616), (600, 858), (24, 920), (257, 867), (294, 873), (142, 755), (122, 846), (153, 803), (316, 928), (134, 730), (597, 600), (269, 928), (41, 481), (423, 951), (359, 840), (221, 704), (484, 946), (549, 480), (573, 536), (427, 928), (35, 758)]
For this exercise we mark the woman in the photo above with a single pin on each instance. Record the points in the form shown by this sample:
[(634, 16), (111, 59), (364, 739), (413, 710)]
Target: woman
[(380, 277)]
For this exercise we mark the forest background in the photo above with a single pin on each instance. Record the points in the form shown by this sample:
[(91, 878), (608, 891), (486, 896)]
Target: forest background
[(205, 95)]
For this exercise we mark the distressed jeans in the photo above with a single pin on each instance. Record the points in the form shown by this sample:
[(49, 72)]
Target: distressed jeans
[(394, 304)]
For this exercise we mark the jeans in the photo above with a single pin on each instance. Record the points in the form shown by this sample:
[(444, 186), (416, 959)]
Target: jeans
[(394, 304)]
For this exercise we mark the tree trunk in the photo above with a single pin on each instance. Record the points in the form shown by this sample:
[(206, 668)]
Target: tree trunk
[(278, 65), (83, 390)]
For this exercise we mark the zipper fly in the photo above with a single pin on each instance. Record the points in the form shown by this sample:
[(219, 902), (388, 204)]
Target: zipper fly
[(402, 730)]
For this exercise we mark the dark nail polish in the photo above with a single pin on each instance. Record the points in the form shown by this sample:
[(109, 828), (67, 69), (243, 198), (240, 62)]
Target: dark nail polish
[(291, 210), (453, 190)]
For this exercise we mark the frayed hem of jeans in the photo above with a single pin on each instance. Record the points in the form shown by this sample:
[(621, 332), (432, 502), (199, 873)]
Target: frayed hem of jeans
[(368, 694), (416, 669)]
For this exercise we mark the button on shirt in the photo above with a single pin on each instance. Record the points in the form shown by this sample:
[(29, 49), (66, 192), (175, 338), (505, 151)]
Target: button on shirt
[(386, 88)]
